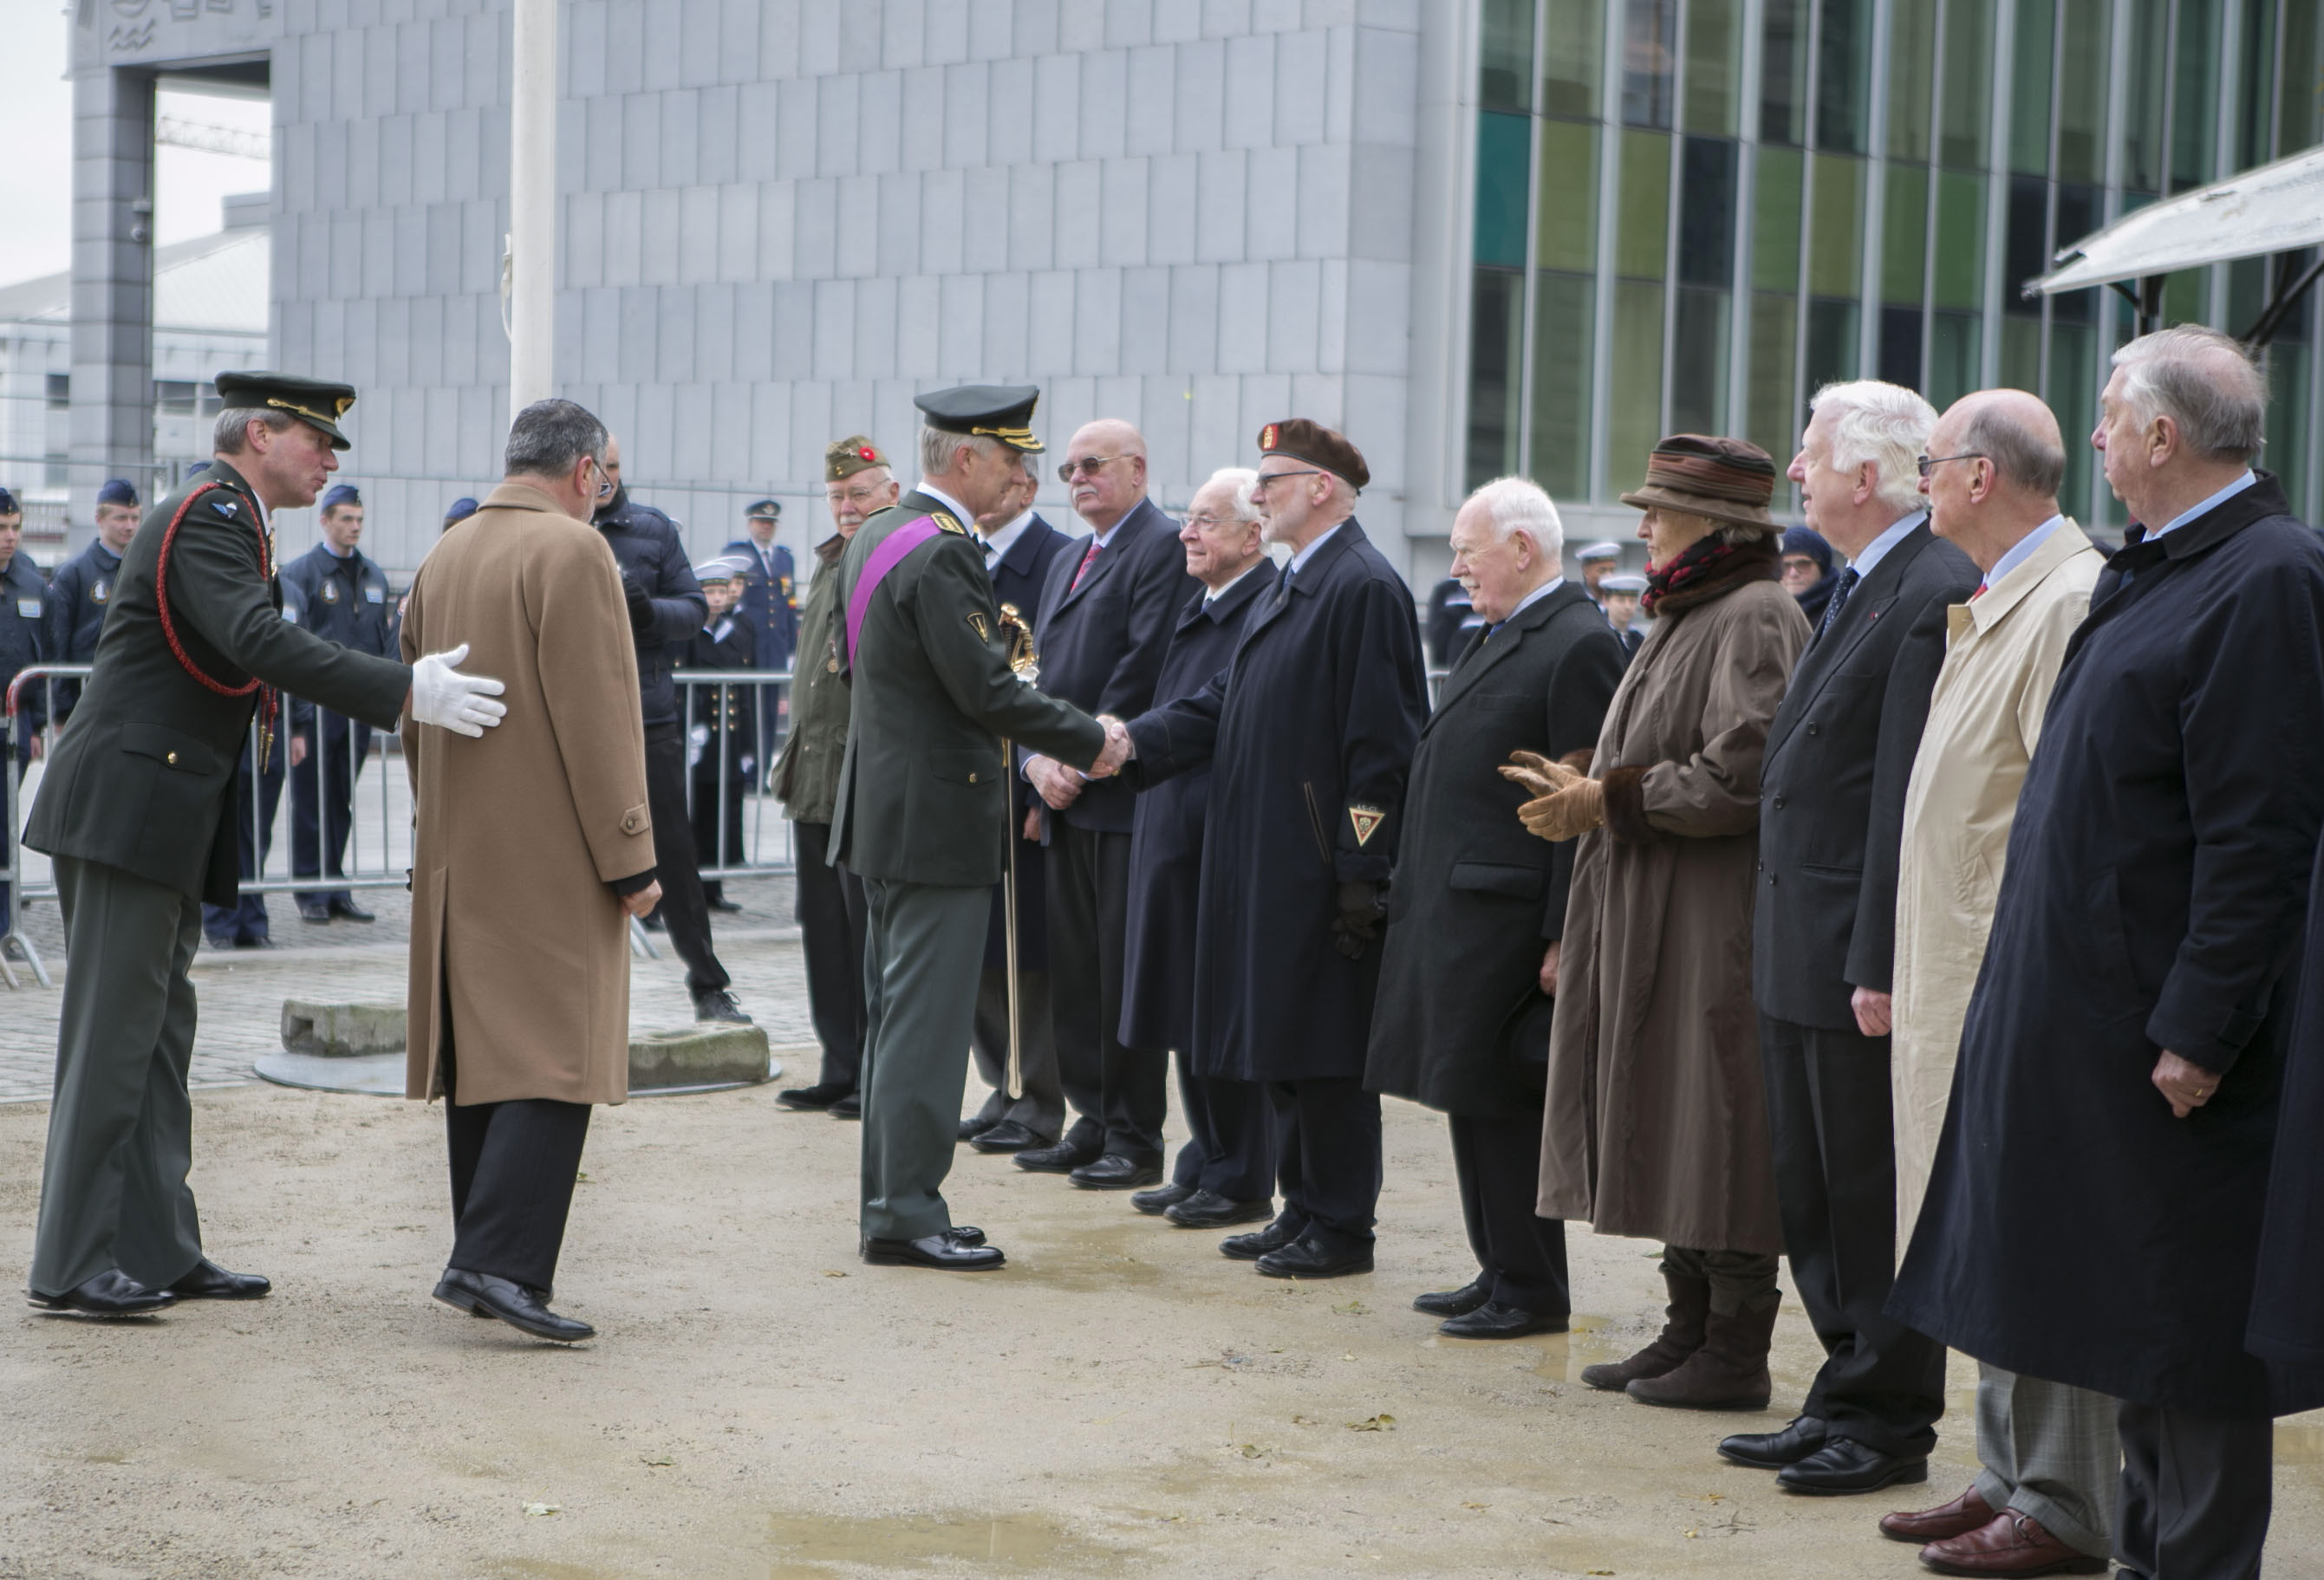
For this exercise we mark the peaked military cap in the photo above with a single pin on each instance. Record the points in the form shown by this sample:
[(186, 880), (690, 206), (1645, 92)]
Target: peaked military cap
[(724, 568), (763, 511), (1317, 446), (7, 502), (316, 402), (844, 458), (341, 493), (1604, 549), (994, 411), (118, 490), (1624, 582), (459, 510)]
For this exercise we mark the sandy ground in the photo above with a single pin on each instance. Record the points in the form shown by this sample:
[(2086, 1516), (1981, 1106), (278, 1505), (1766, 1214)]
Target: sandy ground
[(1120, 1398)]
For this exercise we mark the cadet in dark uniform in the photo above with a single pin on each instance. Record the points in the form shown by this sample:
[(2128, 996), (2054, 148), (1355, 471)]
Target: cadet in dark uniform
[(24, 640), (341, 596), (83, 586), (666, 608), (770, 602), (134, 809), (923, 802), (722, 737), (257, 794)]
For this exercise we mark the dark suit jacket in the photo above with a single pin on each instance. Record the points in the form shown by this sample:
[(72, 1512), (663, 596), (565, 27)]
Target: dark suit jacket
[(1831, 794), (1020, 577), (1102, 643)]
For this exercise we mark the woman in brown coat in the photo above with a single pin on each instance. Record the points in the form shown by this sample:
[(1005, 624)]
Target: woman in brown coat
[(1655, 1124)]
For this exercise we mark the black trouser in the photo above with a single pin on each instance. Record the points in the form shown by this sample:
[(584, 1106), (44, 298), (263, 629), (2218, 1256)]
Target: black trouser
[(1328, 1131), (1520, 1258), (705, 821), (1040, 1105), (828, 904), (513, 1166), (683, 910), (254, 841), (1123, 1092), (1231, 1137), (1829, 1119), (2196, 1495), (328, 776)]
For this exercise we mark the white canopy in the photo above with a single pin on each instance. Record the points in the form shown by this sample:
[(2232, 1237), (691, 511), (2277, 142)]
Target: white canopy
[(2276, 208)]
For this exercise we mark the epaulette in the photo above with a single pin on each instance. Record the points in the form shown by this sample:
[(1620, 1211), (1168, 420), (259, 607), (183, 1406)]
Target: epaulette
[(943, 520)]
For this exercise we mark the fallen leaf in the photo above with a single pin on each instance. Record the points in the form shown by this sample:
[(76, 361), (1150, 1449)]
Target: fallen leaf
[(540, 1509), (1253, 1451), (1693, 1534), (581, 1177), (832, 1273), (656, 1459), (1349, 1356), (1476, 1505), (1352, 1308), (1382, 1422)]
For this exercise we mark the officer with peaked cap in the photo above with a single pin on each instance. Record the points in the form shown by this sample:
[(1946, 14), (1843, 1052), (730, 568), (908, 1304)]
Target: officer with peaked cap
[(24, 640), (135, 810), (770, 603), (83, 585), (922, 804)]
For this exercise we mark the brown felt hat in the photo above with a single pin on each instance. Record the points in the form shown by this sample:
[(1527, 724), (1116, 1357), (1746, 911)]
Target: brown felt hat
[(1727, 480), (844, 458), (1317, 446)]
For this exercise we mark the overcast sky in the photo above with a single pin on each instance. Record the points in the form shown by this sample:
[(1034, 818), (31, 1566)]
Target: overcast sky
[(36, 176)]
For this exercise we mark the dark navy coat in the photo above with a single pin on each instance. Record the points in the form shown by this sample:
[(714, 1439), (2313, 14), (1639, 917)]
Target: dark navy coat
[(2287, 1314), (343, 600), (1309, 733), (769, 601), (1452, 622), (1102, 643), (77, 597), (1020, 578), (1165, 845), (647, 547), (731, 644), (23, 632), (2152, 898)]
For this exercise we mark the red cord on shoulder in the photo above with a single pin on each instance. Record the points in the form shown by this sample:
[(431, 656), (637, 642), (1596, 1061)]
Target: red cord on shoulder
[(170, 627)]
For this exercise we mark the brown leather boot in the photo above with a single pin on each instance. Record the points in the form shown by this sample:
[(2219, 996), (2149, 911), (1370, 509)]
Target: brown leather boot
[(1730, 1371), (1681, 1336)]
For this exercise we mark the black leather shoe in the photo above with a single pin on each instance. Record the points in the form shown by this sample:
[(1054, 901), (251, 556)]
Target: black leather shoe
[(943, 1252), (1162, 1198), (1310, 1257), (1207, 1210), (314, 910), (1494, 1320), (1061, 1159), (343, 905), (217, 940), (1844, 1465), (1458, 1302), (512, 1303), (1775, 1450), (1259, 1242), (965, 1234), (970, 1129), (850, 1106), (1009, 1136), (209, 1282), (727, 906), (254, 940), (111, 1293), (1114, 1171), (821, 1095), (718, 1004)]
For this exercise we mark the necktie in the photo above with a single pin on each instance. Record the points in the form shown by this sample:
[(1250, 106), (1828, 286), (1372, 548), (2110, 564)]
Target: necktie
[(1978, 594), (1083, 569), (1839, 597)]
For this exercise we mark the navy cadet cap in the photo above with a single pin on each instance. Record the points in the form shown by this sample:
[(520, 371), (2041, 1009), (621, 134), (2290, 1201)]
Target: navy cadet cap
[(7, 502), (460, 509), (764, 510), (992, 411), (342, 494), (118, 490), (316, 402)]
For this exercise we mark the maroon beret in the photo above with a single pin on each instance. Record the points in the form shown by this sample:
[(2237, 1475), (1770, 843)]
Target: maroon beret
[(1317, 446)]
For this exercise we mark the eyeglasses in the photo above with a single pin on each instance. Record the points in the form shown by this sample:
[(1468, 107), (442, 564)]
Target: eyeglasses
[(1266, 478), (1083, 466), (1204, 522), (605, 478), (1929, 464)]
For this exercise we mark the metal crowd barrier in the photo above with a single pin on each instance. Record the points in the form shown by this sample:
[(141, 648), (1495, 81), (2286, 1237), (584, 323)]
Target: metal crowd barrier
[(764, 695)]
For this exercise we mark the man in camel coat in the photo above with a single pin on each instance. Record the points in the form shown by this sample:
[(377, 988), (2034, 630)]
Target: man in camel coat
[(525, 860)]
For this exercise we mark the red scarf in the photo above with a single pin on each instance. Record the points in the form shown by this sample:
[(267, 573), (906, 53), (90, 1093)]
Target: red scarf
[(1693, 563)]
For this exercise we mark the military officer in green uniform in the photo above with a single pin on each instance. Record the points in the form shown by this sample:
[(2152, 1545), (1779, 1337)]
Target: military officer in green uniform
[(138, 811), (922, 801)]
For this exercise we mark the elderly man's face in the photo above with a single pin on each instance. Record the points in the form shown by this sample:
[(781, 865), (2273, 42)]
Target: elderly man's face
[(1622, 609), (1497, 571), (1801, 573), (1289, 494), (1824, 494), (1104, 472), (2126, 445), (1949, 485), (854, 499), (116, 525), (1220, 545)]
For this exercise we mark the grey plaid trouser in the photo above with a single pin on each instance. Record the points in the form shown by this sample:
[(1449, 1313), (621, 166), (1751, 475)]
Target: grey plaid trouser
[(2050, 1451)]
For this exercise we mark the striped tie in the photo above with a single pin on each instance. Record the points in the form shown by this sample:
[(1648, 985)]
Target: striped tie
[(1083, 569)]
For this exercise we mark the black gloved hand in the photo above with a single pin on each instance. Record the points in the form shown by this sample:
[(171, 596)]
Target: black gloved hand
[(1362, 906), (641, 609)]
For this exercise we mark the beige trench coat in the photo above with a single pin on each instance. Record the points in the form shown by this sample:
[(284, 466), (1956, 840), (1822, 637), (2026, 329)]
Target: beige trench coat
[(1655, 1124), (513, 930), (2003, 652)]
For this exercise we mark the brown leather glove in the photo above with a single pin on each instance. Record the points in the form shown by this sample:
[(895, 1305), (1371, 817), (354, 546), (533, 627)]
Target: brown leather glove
[(1537, 773), (1569, 813)]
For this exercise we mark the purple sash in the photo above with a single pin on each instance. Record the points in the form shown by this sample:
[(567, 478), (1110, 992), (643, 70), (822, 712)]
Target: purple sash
[(885, 559)]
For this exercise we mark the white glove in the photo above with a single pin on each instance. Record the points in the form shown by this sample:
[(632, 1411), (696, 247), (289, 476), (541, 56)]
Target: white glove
[(443, 696)]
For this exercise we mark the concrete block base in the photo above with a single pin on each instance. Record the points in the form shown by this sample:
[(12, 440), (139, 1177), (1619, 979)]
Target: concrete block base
[(371, 1037), (712, 1054), (341, 1031)]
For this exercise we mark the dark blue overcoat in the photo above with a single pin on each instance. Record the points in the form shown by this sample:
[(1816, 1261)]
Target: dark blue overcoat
[(2153, 897), (1018, 578), (2287, 1318)]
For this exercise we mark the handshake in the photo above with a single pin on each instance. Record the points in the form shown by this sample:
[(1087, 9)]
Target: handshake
[(1061, 786)]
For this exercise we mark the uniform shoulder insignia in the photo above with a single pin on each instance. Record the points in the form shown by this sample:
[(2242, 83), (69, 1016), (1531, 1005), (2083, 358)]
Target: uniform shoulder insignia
[(1366, 821), (224, 507), (945, 520), (976, 623)]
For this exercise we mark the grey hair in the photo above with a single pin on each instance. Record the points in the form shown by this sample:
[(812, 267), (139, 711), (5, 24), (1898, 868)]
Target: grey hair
[(1884, 426), (549, 436), (231, 432), (937, 446), (1518, 503), (1242, 481), (2205, 382), (2024, 459)]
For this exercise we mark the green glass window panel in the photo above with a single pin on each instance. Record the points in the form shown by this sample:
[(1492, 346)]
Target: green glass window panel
[(1643, 234), (2187, 296), (1505, 55), (1904, 234), (2300, 102), (1844, 76), (2287, 452), (1831, 344), (2029, 86), (1784, 72), (1504, 154), (2256, 98), (1698, 355), (2247, 292), (1572, 51), (1564, 316), (1955, 343), (1966, 114), (1496, 344), (2083, 90), (1961, 240), (1649, 57), (1706, 211), (1836, 245), (1633, 417), (1776, 225), (1566, 209), (2143, 100), (1772, 423), (1911, 77), (2021, 354), (2195, 94), (1714, 66), (2075, 381)]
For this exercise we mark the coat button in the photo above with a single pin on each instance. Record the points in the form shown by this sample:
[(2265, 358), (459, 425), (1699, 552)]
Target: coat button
[(1771, 880), (1812, 729), (172, 759), (972, 778), (1779, 803)]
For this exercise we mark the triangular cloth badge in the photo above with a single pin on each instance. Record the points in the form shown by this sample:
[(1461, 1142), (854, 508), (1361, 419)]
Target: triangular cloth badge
[(976, 624), (1367, 820)]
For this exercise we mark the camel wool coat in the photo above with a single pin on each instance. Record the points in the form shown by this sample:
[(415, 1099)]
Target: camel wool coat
[(1655, 1124), (519, 950), (2003, 651)]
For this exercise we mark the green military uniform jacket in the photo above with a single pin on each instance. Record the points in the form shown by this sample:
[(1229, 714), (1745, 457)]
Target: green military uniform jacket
[(807, 776), (923, 791), (143, 776)]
